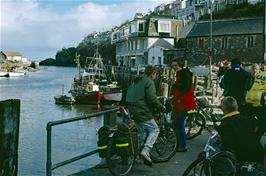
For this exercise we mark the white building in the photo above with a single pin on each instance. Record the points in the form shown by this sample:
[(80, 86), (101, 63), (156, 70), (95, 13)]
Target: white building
[(13, 56), (145, 39)]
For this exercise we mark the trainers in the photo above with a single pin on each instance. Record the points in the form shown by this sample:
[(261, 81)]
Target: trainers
[(146, 157), (182, 150)]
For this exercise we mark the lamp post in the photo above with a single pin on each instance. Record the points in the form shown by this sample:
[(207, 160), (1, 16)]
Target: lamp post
[(264, 31), (210, 52)]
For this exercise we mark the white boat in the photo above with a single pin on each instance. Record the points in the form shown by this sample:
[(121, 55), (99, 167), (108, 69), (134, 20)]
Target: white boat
[(3, 74), (17, 72)]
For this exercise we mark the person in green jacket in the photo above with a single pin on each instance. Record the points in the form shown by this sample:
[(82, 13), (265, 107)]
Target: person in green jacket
[(141, 99)]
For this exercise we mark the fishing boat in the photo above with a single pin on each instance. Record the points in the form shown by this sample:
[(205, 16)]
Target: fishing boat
[(92, 84)]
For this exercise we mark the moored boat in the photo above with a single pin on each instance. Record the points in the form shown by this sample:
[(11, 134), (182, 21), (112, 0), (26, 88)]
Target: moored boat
[(3, 74), (63, 99)]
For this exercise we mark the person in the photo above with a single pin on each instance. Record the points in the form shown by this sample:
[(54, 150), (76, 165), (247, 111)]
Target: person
[(236, 82), (255, 69), (237, 134), (255, 97), (141, 98), (183, 99), (223, 67)]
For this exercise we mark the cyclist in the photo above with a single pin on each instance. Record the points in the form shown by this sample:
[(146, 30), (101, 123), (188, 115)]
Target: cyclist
[(237, 134), (141, 98)]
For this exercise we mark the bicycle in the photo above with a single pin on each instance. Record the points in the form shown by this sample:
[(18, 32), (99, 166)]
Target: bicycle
[(203, 165), (164, 148), (196, 119)]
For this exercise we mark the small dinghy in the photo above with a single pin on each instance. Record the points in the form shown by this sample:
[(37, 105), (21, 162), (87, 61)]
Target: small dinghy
[(63, 99)]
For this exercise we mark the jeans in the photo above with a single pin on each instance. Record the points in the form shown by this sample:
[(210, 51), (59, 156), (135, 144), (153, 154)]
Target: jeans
[(180, 129), (151, 129)]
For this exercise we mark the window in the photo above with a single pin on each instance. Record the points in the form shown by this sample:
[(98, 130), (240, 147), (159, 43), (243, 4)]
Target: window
[(250, 42), (114, 36), (164, 26), (126, 31), (224, 43), (133, 27), (138, 44), (141, 27), (160, 60), (201, 43)]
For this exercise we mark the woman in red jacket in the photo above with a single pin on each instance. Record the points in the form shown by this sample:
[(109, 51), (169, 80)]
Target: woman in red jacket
[(183, 99)]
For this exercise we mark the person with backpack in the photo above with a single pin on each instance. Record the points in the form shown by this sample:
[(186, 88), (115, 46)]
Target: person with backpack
[(141, 99), (183, 99), (237, 133)]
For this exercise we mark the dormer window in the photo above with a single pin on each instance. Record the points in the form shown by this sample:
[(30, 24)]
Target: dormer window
[(164, 26), (141, 27)]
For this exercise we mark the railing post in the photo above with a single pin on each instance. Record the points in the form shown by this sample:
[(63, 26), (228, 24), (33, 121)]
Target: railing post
[(49, 151), (9, 136)]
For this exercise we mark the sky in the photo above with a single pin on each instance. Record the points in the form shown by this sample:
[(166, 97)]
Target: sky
[(40, 28)]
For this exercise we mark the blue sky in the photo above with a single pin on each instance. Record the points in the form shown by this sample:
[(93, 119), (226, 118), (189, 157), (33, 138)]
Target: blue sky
[(39, 28)]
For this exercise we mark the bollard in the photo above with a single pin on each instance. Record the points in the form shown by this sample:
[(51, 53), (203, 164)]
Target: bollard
[(9, 136)]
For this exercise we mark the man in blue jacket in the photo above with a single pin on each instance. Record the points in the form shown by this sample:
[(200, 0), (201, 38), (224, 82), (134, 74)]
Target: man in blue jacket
[(236, 82)]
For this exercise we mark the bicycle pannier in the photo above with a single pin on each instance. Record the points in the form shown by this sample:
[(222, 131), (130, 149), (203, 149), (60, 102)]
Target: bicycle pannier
[(103, 139), (126, 142)]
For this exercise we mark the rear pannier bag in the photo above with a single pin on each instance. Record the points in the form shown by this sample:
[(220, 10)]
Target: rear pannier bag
[(103, 139), (126, 142)]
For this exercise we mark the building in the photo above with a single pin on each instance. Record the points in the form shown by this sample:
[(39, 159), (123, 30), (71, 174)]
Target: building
[(12, 56), (232, 38), (194, 9), (95, 37), (146, 40)]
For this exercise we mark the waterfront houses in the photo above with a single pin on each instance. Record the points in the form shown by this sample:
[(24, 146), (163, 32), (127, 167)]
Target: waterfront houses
[(231, 38), (13, 56), (147, 39)]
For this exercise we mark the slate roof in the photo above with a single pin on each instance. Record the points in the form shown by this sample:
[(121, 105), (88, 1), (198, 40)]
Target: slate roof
[(228, 27), (164, 44), (12, 53)]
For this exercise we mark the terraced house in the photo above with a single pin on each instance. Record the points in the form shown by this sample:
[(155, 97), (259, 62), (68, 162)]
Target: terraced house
[(147, 40)]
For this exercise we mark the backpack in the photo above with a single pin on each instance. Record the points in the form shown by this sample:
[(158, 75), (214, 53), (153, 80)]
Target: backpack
[(222, 163), (126, 139), (103, 140)]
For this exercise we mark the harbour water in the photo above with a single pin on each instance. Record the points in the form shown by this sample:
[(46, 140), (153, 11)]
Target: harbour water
[(36, 91)]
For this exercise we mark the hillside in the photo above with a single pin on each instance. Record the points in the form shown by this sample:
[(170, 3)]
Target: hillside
[(238, 11)]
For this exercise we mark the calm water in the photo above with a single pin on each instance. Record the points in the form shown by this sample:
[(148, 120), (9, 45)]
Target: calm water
[(36, 92)]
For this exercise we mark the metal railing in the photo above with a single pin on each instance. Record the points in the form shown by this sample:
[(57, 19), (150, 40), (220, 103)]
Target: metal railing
[(49, 165)]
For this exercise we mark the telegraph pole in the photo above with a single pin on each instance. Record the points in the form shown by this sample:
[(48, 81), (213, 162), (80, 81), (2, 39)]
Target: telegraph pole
[(264, 32)]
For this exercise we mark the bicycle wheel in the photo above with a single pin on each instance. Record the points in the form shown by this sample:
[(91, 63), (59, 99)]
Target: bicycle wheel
[(118, 164), (166, 144), (195, 168), (195, 122)]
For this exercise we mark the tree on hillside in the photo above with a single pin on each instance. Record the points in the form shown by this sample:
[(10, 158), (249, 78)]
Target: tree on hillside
[(66, 56), (238, 11)]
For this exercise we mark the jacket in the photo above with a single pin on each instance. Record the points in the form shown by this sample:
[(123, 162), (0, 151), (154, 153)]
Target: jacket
[(238, 137), (141, 98), (183, 95), (254, 95), (236, 82)]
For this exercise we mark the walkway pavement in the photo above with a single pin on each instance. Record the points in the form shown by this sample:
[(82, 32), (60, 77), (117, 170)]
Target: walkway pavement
[(175, 166)]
